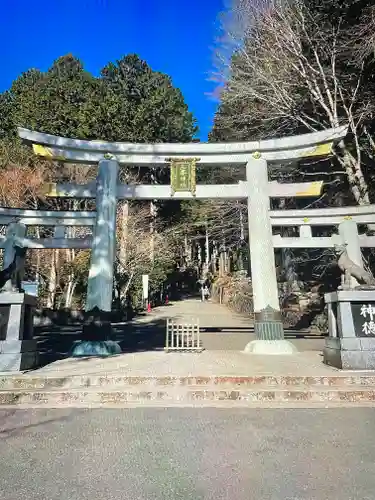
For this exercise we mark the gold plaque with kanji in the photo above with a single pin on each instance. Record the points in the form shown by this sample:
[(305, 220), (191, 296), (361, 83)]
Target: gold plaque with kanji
[(183, 175)]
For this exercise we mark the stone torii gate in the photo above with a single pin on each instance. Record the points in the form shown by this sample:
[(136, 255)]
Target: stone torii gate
[(258, 156)]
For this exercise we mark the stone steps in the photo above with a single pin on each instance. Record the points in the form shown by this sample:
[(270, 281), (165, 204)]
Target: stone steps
[(203, 394), (228, 404), (45, 382)]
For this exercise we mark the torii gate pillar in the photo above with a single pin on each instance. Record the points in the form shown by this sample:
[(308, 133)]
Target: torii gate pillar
[(97, 328), (267, 317)]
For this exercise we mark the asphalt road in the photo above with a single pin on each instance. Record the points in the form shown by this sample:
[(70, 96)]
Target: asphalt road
[(189, 454)]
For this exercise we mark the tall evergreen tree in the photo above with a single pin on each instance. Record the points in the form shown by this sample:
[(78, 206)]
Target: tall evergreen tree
[(128, 102)]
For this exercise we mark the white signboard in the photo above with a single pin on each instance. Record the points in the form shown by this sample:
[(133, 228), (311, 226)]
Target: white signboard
[(30, 287), (145, 286)]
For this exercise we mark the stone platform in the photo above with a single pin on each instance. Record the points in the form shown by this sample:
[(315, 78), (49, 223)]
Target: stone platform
[(221, 330), (209, 378)]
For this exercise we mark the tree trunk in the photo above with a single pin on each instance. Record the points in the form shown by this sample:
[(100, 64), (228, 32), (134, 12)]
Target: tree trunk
[(239, 260), (38, 253), (153, 213), (188, 251), (225, 258), (221, 264), (287, 257), (229, 263), (69, 292), (124, 221), (52, 283), (70, 257), (200, 259), (242, 228), (207, 249), (356, 179)]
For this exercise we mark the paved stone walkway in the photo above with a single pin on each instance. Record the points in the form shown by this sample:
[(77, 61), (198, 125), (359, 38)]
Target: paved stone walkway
[(209, 314), (147, 331), (207, 363)]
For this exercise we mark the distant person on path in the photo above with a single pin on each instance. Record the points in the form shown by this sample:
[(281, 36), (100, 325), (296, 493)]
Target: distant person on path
[(205, 293)]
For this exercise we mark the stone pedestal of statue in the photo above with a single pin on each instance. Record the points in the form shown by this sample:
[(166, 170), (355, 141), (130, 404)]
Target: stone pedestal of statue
[(351, 323), (18, 350)]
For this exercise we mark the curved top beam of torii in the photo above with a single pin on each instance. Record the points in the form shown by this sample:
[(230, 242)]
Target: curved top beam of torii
[(274, 150)]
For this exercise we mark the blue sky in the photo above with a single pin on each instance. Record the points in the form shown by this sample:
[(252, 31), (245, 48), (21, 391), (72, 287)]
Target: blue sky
[(173, 36)]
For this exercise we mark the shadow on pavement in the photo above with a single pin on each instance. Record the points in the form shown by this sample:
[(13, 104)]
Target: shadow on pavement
[(12, 425), (54, 342)]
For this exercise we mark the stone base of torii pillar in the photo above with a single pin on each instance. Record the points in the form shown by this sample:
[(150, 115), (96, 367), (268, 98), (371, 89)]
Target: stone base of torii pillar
[(96, 334), (268, 328), (270, 347)]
